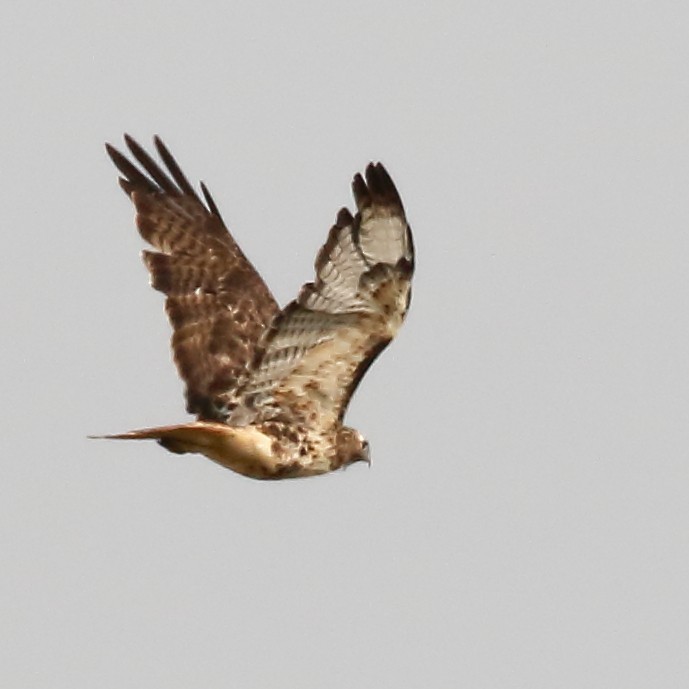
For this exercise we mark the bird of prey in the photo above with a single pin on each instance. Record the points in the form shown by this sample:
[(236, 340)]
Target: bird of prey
[(269, 386)]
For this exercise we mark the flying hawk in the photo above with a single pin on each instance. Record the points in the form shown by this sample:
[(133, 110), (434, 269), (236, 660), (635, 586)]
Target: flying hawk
[(269, 386)]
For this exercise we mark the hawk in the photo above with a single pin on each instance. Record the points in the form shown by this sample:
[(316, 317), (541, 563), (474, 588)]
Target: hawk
[(269, 386)]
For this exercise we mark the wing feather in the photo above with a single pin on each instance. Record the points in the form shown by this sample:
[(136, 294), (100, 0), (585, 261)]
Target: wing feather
[(217, 303), (320, 346)]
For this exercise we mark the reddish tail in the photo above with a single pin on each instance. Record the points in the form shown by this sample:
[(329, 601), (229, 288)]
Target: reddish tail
[(180, 438)]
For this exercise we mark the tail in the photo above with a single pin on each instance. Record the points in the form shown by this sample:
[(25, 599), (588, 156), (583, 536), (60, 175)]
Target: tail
[(180, 438), (246, 450)]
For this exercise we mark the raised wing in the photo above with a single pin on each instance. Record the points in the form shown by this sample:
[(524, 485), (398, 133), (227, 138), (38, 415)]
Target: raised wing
[(322, 344), (217, 303)]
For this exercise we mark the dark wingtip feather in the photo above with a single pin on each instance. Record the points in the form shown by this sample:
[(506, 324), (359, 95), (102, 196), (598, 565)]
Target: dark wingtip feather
[(381, 185), (209, 201), (375, 186), (131, 142), (120, 161), (151, 167), (360, 191), (126, 186), (132, 177), (344, 218), (174, 169)]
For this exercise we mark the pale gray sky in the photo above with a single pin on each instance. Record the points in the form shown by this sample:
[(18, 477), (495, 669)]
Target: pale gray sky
[(525, 521)]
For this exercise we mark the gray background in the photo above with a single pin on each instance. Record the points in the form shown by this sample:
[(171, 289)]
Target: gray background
[(525, 520)]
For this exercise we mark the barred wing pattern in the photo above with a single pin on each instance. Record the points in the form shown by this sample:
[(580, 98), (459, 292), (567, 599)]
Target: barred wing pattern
[(321, 345), (217, 303)]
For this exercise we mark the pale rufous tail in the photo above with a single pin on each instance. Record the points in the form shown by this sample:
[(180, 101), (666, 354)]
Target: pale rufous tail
[(180, 438), (246, 450)]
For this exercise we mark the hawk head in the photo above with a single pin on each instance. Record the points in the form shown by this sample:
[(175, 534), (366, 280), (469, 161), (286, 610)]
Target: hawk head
[(351, 447)]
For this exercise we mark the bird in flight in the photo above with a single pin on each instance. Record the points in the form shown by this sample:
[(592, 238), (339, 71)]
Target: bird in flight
[(269, 386)]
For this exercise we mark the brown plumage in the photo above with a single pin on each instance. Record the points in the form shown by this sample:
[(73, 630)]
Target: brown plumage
[(269, 387)]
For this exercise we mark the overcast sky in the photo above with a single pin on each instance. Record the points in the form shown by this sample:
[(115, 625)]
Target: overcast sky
[(525, 521)]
